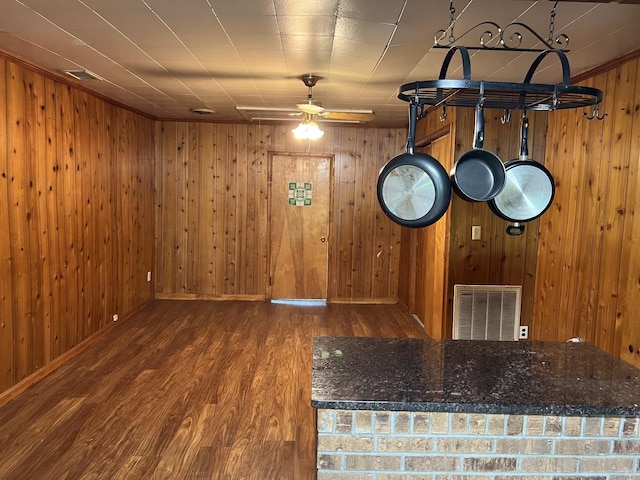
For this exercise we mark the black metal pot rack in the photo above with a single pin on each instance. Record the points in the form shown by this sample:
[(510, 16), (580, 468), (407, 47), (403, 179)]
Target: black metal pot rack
[(500, 95)]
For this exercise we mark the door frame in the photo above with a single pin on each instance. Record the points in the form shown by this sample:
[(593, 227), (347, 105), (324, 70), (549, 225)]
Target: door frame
[(330, 243)]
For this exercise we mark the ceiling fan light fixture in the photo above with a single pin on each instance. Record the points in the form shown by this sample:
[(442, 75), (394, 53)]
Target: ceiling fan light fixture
[(307, 130)]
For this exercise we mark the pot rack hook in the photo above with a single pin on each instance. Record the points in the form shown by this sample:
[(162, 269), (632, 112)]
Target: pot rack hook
[(595, 114), (506, 116), (443, 117)]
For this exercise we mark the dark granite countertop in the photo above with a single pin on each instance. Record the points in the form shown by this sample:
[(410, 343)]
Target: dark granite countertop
[(356, 373)]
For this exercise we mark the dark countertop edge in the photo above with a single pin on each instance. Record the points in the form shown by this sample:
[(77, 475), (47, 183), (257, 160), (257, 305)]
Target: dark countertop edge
[(560, 410)]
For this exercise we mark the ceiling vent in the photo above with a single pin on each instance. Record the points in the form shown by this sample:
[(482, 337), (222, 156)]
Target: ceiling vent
[(82, 75), (486, 312)]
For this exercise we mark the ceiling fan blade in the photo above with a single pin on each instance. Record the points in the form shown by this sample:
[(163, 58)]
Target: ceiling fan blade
[(348, 116)]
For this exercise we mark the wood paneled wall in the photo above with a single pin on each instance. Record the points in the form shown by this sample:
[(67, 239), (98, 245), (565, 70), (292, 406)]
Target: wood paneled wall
[(587, 282), (76, 217), (212, 215)]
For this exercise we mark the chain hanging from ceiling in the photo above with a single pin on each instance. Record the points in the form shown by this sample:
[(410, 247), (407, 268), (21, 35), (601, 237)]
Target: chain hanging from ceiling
[(496, 38)]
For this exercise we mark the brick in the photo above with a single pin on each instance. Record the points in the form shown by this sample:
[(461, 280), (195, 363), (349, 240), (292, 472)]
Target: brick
[(553, 425), (329, 462), (573, 477), (430, 463), (477, 422), (606, 465), (630, 427), (344, 443), (583, 447), (549, 464), (326, 420), (611, 427), (372, 462), (572, 426), (495, 424), (626, 447), (401, 422), (382, 422), (364, 421), (535, 425), (440, 423), (344, 476), (515, 424), (403, 476), (421, 422), (464, 445), (517, 446), (592, 427), (453, 476), (405, 444), (459, 422), (484, 464), (344, 421), (518, 477)]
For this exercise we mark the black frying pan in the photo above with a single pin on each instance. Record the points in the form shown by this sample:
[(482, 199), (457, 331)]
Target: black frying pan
[(413, 188), (529, 188), (478, 175)]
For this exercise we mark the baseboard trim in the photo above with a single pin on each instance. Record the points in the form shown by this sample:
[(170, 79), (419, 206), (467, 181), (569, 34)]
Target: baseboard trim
[(48, 368), (200, 296), (365, 301)]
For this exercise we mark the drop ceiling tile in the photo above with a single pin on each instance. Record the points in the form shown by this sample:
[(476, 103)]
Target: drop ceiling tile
[(238, 8), (306, 25), (383, 12), (367, 32), (253, 25), (307, 7), (258, 42), (307, 42)]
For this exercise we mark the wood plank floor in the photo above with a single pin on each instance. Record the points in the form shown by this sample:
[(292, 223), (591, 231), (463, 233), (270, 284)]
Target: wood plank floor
[(186, 390)]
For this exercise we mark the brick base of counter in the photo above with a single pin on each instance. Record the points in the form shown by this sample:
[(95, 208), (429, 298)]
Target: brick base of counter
[(380, 445)]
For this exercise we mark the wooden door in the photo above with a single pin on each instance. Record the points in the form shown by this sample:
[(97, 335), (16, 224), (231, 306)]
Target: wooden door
[(299, 226)]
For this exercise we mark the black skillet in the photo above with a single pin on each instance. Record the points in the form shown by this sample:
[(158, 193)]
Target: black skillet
[(413, 188)]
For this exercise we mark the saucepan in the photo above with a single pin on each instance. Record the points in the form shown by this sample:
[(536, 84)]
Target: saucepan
[(414, 188), (478, 175), (529, 188)]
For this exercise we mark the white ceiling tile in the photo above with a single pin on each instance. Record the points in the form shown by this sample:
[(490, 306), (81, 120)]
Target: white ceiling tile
[(307, 25), (260, 25), (307, 7)]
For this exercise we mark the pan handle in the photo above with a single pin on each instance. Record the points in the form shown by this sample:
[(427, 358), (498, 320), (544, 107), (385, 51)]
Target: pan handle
[(478, 137), (515, 230), (524, 134)]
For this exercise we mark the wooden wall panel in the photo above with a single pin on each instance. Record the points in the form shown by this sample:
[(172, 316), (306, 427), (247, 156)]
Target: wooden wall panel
[(68, 231), (224, 221), (587, 277)]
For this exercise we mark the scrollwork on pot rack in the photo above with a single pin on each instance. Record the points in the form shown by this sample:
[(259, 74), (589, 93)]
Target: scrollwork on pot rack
[(496, 38)]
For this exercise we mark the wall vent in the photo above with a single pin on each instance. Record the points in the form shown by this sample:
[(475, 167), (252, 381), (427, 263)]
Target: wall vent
[(82, 75), (486, 312)]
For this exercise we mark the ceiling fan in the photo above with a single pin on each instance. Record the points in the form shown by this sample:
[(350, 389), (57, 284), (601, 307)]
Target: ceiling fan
[(311, 109)]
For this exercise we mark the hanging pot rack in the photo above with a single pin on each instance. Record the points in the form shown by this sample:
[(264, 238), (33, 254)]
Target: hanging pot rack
[(507, 96)]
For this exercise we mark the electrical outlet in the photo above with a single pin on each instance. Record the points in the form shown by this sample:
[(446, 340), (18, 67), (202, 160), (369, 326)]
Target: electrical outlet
[(476, 232), (524, 332), (149, 276), (114, 317)]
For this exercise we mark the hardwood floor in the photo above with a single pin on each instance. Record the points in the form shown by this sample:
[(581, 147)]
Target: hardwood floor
[(186, 390)]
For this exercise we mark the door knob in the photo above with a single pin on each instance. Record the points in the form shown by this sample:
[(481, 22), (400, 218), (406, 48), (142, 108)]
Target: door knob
[(322, 239)]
